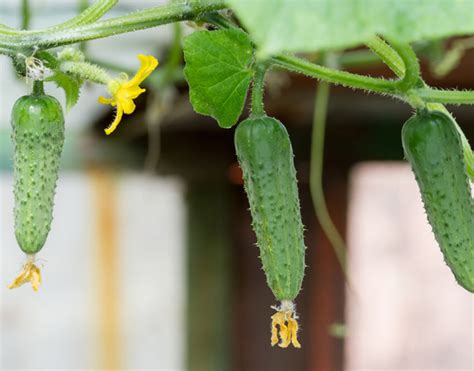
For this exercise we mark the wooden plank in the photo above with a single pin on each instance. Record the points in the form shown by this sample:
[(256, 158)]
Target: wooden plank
[(325, 284), (209, 277)]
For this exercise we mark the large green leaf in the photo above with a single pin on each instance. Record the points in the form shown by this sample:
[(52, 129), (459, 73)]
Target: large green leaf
[(309, 25), (218, 73)]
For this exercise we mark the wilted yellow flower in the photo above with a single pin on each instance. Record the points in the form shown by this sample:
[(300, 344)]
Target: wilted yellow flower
[(285, 324), (30, 273), (124, 91)]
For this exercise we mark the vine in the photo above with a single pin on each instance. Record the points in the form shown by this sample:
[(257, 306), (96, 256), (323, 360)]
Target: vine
[(316, 174), (224, 60)]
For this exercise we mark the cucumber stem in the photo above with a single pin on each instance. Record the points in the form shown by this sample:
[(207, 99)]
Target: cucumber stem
[(38, 87), (258, 90)]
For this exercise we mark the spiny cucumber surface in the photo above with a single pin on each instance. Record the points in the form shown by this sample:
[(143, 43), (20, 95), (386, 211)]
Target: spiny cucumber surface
[(38, 138), (266, 157), (433, 147)]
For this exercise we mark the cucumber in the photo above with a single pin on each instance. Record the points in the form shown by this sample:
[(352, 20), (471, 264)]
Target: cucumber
[(434, 149), (38, 137), (266, 157)]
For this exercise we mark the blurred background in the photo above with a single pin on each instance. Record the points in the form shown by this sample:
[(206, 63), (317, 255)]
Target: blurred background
[(151, 262)]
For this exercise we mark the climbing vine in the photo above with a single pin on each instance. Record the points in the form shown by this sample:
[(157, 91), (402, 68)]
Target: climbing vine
[(236, 43)]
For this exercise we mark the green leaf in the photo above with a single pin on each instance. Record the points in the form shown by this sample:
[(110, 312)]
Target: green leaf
[(310, 25), (218, 73), (71, 86)]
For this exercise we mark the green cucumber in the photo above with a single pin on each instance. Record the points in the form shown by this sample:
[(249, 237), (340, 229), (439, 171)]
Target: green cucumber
[(433, 147), (38, 137), (266, 157)]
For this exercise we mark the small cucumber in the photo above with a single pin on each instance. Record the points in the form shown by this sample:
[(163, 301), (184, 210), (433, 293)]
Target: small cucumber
[(38, 137), (266, 157), (434, 149)]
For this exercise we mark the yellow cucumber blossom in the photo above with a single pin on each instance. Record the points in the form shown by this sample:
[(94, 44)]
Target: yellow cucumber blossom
[(30, 273), (124, 91), (285, 324)]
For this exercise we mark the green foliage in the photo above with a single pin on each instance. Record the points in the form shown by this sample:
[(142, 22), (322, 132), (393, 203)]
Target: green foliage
[(310, 25), (71, 86), (218, 71), (433, 146)]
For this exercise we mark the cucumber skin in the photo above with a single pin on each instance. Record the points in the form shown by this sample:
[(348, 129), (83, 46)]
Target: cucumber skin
[(266, 157), (38, 138), (433, 147)]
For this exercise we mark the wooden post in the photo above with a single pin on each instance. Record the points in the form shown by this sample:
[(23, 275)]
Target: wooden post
[(325, 284), (209, 276)]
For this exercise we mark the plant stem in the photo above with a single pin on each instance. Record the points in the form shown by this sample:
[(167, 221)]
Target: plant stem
[(83, 5), (389, 56), (139, 20), (445, 96), (358, 81), (316, 173), (88, 14), (38, 87), (217, 20), (86, 71), (335, 76), (25, 14), (258, 90), (411, 76), (358, 58)]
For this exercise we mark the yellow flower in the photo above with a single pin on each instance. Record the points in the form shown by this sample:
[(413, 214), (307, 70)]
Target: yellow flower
[(124, 91), (284, 323), (30, 273)]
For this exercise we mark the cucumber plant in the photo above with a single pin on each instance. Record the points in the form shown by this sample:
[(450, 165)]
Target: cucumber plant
[(222, 60)]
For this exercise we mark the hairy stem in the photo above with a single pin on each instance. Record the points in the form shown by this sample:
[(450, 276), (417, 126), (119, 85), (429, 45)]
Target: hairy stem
[(411, 76), (25, 14), (258, 90), (88, 15), (139, 20), (389, 56), (446, 96), (334, 76)]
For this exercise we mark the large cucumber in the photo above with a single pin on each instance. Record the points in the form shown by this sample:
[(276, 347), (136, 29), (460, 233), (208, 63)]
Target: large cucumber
[(266, 157), (434, 149), (38, 136)]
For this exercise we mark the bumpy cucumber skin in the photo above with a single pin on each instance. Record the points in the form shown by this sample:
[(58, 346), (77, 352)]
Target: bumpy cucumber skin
[(38, 138), (266, 157), (433, 147)]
